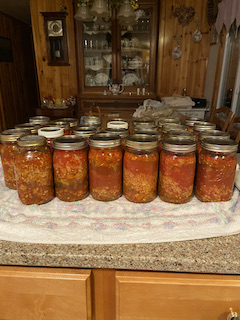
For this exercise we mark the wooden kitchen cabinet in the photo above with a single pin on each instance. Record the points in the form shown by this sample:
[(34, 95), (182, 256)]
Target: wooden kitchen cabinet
[(173, 296), (106, 294), (44, 293)]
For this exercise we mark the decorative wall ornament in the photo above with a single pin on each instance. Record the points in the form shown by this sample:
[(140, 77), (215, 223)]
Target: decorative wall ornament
[(197, 35), (177, 53), (184, 15)]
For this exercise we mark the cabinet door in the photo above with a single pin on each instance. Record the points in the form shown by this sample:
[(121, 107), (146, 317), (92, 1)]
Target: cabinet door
[(44, 293), (165, 296)]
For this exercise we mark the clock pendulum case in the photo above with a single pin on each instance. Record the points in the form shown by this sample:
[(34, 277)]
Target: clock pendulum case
[(56, 38)]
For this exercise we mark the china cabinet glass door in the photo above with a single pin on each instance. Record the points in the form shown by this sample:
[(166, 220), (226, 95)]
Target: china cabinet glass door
[(97, 48), (135, 51)]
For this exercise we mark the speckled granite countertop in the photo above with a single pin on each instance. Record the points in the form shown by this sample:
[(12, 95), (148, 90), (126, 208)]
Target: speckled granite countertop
[(215, 255)]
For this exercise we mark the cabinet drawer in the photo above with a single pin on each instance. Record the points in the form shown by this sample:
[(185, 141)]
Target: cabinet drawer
[(165, 296), (44, 293)]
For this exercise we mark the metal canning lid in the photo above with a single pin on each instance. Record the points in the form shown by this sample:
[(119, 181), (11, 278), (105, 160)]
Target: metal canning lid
[(70, 142), (51, 132), (172, 126), (219, 145), (190, 122), (182, 133), (203, 125), (39, 120), (150, 132), (84, 130), (146, 122), (168, 120), (213, 133), (92, 120), (60, 124), (31, 141), (117, 124), (104, 140), (141, 141), (121, 132), (145, 126), (72, 121), (11, 135), (179, 144), (29, 126)]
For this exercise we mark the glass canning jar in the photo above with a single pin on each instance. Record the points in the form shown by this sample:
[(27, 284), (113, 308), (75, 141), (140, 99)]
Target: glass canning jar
[(152, 133), (105, 166), (209, 134), (189, 123), (50, 133), (70, 167), (177, 170), (123, 133), (201, 126), (62, 124), (33, 167), (216, 170), (72, 121), (41, 120), (140, 168), (118, 124), (171, 126), (183, 134), (92, 121), (29, 126), (8, 149), (84, 131), (163, 121), (143, 124)]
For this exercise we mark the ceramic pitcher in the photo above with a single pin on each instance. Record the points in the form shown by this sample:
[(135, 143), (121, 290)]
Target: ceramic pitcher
[(116, 88)]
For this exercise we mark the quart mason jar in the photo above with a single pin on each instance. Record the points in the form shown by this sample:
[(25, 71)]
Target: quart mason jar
[(183, 134), (65, 125), (202, 126), (70, 166), (163, 121), (152, 133), (29, 126), (210, 134), (140, 168), (33, 167), (216, 170), (189, 123), (50, 133), (84, 131), (41, 120), (123, 133), (105, 166), (177, 170), (72, 121), (8, 150)]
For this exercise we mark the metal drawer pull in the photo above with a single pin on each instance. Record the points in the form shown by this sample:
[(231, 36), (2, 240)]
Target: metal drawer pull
[(233, 315)]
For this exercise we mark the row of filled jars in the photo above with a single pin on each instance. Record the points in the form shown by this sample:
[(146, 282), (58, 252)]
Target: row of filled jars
[(75, 168)]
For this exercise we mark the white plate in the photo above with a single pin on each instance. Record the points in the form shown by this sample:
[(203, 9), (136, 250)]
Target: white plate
[(101, 79), (130, 78), (108, 58)]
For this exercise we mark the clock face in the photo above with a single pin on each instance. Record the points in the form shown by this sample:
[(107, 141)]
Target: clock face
[(55, 28)]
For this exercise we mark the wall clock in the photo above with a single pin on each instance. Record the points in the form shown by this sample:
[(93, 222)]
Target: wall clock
[(56, 38)]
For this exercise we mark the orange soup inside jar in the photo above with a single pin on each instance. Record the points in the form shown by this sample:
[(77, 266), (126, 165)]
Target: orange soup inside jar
[(140, 168), (8, 150), (216, 170), (70, 165), (33, 167), (177, 170), (105, 166)]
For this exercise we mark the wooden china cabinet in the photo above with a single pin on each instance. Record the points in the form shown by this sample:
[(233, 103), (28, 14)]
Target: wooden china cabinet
[(109, 52)]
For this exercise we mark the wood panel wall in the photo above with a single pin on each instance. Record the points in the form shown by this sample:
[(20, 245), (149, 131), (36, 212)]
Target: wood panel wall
[(190, 71), (172, 75), (18, 86), (57, 81)]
